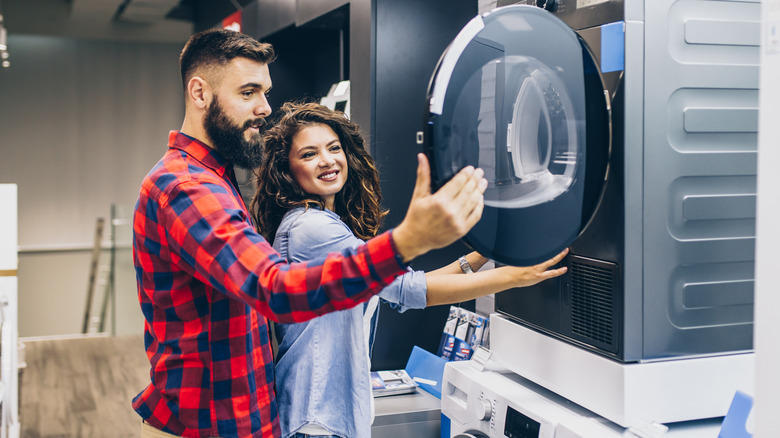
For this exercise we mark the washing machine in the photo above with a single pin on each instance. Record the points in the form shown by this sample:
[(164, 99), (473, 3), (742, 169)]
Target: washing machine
[(484, 403), (479, 402), (625, 130)]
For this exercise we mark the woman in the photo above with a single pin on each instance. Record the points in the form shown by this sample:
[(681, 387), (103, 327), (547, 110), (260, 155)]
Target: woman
[(318, 192)]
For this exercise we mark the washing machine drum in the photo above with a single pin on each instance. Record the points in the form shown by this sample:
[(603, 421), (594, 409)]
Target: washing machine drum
[(518, 94)]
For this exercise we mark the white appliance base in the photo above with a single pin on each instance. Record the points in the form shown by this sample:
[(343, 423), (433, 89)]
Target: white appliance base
[(632, 395)]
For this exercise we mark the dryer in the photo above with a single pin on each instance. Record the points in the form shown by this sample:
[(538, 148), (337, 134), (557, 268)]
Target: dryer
[(625, 129)]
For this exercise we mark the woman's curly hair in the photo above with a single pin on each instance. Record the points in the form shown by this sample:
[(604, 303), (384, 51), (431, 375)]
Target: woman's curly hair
[(358, 203)]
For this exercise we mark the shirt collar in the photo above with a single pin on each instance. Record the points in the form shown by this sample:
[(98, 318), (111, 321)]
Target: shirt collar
[(198, 150)]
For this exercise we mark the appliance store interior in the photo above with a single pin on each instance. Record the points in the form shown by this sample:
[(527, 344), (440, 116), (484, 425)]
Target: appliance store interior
[(637, 134)]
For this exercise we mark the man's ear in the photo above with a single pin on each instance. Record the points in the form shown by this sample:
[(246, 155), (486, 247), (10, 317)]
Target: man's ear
[(199, 92)]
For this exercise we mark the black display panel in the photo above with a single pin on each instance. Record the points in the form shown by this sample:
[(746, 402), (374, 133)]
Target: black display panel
[(518, 425)]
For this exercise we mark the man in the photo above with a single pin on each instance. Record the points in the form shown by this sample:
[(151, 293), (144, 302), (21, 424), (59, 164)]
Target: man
[(207, 281)]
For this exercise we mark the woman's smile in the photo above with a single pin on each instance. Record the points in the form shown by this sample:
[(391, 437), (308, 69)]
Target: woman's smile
[(329, 176), (318, 162)]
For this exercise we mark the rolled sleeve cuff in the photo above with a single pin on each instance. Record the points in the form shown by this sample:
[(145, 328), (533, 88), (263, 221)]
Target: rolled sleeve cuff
[(385, 258), (416, 291)]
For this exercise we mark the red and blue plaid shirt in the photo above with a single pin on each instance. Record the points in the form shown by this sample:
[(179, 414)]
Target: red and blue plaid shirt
[(207, 282)]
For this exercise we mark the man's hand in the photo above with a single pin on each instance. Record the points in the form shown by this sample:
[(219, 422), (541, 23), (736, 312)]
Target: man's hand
[(439, 219)]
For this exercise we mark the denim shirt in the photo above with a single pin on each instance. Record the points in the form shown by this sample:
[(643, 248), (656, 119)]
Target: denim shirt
[(322, 369)]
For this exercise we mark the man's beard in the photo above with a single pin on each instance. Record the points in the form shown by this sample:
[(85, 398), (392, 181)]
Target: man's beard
[(229, 140)]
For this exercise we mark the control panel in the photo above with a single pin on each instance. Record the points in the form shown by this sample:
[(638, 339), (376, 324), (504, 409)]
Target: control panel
[(499, 404), (578, 14)]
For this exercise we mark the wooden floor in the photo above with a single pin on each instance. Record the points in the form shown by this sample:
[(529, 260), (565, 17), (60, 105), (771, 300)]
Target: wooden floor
[(82, 387)]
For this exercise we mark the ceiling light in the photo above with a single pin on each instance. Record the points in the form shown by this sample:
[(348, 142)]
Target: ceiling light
[(4, 44), (3, 35)]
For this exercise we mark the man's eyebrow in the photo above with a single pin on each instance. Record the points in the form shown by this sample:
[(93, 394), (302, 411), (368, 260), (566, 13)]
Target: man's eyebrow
[(255, 85)]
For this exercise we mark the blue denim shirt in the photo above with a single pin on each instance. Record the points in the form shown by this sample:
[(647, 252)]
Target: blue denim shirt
[(322, 370)]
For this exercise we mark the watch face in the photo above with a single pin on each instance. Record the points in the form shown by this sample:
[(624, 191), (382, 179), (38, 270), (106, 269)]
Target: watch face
[(511, 95), (465, 266)]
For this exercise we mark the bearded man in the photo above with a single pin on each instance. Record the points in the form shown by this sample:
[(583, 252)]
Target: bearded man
[(207, 281)]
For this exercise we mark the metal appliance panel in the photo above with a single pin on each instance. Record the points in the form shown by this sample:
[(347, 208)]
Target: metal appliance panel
[(674, 233), (699, 176), (578, 14)]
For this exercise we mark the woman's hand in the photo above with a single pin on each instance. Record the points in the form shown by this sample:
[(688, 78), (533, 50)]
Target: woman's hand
[(522, 276), (458, 287)]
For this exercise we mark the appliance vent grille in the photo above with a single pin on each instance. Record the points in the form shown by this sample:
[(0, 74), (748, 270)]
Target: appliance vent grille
[(592, 302)]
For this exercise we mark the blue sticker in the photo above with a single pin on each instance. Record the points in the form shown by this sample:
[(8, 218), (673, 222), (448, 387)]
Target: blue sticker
[(613, 47), (735, 423)]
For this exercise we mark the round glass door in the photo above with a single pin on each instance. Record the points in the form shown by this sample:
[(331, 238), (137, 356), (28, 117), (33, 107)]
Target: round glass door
[(518, 93)]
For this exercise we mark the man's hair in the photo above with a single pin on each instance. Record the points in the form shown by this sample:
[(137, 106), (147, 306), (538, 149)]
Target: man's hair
[(217, 47), (357, 203)]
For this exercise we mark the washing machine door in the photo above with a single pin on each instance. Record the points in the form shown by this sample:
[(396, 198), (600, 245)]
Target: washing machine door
[(519, 94)]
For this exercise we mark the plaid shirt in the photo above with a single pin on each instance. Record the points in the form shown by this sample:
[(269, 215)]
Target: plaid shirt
[(207, 282)]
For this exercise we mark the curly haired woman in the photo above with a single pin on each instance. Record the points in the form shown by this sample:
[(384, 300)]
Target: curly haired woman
[(318, 192)]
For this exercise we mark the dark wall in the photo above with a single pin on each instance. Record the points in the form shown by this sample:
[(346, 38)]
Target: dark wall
[(410, 35), (308, 62), (311, 41), (310, 57), (388, 50)]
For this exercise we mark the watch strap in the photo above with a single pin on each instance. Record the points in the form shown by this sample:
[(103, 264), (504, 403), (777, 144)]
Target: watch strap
[(465, 266)]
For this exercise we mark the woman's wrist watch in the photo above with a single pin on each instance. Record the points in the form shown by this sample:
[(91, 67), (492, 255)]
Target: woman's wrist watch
[(465, 266)]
